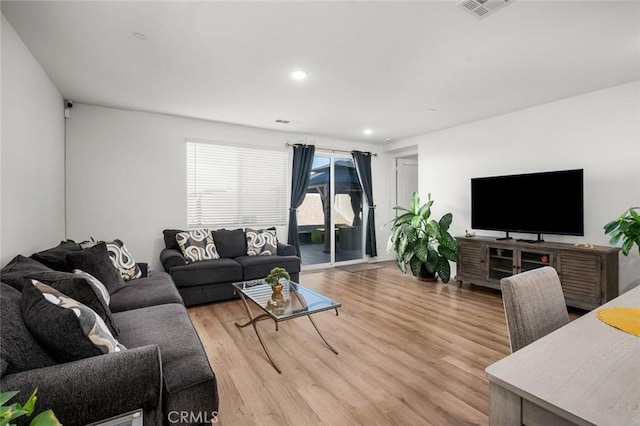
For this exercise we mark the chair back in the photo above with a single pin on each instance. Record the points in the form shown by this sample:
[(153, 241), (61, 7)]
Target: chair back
[(534, 305)]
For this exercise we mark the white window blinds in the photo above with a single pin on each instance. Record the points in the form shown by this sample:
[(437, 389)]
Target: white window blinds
[(235, 186)]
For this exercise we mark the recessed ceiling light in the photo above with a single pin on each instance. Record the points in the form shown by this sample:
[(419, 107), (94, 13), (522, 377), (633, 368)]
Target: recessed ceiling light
[(367, 131), (140, 36), (298, 75)]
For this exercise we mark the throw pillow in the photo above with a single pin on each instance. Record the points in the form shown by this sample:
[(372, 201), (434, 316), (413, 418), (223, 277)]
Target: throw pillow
[(82, 287), (123, 261), (230, 243), (96, 261), (55, 258), (14, 272), (19, 350), (170, 238), (262, 242), (68, 329), (197, 245)]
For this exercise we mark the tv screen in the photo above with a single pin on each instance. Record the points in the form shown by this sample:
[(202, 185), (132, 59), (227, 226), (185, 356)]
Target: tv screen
[(537, 203)]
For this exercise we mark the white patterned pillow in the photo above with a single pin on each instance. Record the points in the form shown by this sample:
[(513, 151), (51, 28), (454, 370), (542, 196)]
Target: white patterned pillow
[(196, 245), (261, 242), (123, 260), (68, 329)]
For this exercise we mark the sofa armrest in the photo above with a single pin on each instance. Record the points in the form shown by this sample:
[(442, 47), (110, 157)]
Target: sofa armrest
[(95, 388), (170, 258), (286, 249)]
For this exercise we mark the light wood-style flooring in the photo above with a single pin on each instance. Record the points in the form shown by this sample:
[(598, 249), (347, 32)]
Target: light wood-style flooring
[(410, 353)]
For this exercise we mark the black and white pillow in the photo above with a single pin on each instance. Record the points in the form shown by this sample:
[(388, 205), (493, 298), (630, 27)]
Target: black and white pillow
[(123, 260), (262, 242), (68, 329), (84, 288), (196, 245)]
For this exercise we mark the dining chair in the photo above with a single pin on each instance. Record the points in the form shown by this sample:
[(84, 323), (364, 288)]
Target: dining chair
[(534, 305)]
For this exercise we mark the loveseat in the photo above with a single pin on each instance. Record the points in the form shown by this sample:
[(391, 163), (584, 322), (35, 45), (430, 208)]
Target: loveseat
[(211, 280), (160, 365)]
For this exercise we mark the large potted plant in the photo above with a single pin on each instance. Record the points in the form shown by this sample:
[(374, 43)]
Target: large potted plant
[(626, 228), (421, 242)]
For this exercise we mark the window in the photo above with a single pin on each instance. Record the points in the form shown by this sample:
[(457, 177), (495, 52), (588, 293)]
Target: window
[(235, 186)]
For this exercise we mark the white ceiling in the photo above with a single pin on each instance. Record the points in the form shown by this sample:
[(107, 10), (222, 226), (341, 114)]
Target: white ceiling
[(399, 68)]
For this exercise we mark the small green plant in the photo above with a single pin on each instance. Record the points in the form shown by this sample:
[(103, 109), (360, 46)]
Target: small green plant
[(8, 413), (274, 276), (626, 228)]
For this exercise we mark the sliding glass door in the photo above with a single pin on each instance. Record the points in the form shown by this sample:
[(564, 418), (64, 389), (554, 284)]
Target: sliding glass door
[(331, 215)]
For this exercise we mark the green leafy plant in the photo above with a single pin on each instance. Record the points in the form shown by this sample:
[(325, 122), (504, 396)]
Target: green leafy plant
[(275, 274), (419, 240), (8, 413), (626, 228)]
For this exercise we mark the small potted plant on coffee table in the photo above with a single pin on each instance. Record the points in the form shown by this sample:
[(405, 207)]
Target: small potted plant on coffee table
[(274, 277)]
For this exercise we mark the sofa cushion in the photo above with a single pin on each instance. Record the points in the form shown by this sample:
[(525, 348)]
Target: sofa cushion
[(255, 267), (262, 242), (230, 243), (55, 257), (197, 245), (156, 289), (207, 272), (19, 350), (123, 261), (184, 361), (67, 329), (81, 287), (170, 241), (13, 272), (96, 261)]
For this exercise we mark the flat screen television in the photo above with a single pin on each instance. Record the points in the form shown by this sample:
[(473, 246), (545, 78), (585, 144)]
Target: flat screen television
[(536, 203)]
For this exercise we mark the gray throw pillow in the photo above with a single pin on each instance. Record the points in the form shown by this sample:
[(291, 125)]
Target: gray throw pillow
[(68, 329), (96, 261), (55, 257), (82, 287), (123, 261), (262, 242), (19, 350), (197, 245), (14, 272)]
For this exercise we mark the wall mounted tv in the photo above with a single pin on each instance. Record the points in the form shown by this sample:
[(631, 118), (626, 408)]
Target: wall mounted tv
[(535, 203)]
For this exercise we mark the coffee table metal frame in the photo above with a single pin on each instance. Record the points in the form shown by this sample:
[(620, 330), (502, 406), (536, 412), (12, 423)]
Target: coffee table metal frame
[(257, 290)]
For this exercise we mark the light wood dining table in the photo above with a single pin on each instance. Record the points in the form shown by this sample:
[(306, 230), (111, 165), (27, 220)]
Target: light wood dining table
[(585, 373)]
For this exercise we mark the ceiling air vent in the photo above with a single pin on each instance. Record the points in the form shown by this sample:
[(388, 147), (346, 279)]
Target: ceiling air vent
[(482, 8), (283, 121)]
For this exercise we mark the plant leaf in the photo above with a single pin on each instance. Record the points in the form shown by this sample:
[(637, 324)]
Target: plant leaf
[(445, 221), (46, 418), (6, 396), (444, 269), (415, 265)]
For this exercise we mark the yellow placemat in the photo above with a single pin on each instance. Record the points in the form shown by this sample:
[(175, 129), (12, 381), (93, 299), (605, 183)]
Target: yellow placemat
[(625, 319)]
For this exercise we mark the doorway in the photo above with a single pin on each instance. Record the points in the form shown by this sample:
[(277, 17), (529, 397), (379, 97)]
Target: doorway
[(406, 179), (330, 219)]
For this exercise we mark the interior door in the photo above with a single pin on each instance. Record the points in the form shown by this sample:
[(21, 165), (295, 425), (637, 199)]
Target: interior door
[(406, 180), (330, 217)]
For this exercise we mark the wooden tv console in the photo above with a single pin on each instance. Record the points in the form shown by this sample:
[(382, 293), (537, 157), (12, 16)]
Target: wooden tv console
[(589, 275)]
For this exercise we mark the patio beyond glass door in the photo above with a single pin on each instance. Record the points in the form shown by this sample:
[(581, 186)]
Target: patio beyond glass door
[(330, 219)]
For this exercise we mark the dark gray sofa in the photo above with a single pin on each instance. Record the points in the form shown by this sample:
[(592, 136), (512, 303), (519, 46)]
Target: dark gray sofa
[(211, 280), (164, 369)]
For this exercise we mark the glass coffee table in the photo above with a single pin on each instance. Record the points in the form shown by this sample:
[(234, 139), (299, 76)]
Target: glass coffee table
[(293, 301)]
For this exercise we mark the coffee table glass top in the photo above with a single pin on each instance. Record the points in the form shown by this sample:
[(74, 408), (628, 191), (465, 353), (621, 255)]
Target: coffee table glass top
[(295, 300)]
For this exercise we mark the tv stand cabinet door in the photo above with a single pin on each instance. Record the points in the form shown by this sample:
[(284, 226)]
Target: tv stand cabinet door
[(581, 279), (472, 261)]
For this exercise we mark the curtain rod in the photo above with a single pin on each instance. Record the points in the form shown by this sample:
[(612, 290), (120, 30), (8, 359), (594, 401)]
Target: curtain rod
[(331, 149)]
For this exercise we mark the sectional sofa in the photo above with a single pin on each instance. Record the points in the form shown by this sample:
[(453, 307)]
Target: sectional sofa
[(157, 363)]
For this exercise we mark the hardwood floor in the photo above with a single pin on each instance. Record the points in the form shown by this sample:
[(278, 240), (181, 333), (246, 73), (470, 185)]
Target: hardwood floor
[(410, 353)]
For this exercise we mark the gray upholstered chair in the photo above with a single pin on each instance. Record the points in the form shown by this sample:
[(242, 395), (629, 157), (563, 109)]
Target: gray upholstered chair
[(534, 305)]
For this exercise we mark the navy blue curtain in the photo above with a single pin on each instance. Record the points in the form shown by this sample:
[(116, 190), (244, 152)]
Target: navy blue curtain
[(363, 167), (302, 162)]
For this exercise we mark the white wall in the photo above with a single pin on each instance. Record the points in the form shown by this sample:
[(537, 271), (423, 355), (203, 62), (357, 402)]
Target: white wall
[(32, 153), (598, 132), (126, 172)]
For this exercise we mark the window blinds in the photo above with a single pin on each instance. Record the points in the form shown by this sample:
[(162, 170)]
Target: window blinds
[(235, 186)]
